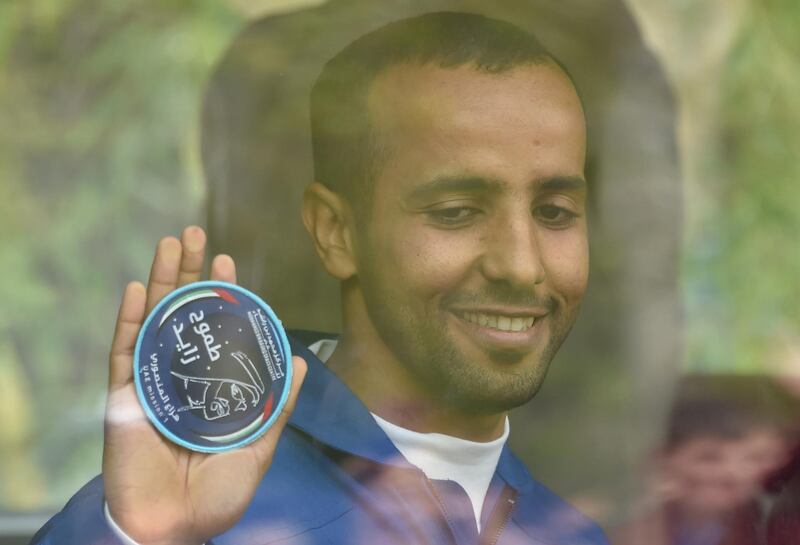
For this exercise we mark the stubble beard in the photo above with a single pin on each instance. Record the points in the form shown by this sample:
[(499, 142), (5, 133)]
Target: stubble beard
[(427, 350)]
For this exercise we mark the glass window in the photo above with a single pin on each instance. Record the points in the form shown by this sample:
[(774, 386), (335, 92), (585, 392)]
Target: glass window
[(123, 123)]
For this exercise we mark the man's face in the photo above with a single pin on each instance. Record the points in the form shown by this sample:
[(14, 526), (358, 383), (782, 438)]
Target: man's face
[(474, 256)]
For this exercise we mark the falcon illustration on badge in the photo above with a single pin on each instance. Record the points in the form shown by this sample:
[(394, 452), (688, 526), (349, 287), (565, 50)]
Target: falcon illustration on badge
[(211, 361)]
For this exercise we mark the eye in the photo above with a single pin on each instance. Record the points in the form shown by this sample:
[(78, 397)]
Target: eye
[(554, 215), (453, 215)]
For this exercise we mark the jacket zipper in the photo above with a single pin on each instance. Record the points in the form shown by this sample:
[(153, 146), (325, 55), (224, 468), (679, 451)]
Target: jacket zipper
[(495, 525), (442, 508), (499, 520)]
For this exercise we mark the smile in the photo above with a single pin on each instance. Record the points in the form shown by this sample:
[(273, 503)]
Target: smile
[(500, 322)]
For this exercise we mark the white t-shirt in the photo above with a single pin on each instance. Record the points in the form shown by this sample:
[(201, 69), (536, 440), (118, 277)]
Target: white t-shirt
[(470, 464)]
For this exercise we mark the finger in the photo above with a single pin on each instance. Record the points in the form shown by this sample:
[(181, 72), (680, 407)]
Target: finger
[(264, 447), (164, 272), (223, 269), (193, 241), (129, 321)]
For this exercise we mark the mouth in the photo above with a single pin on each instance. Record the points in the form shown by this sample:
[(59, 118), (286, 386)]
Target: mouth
[(517, 330), (499, 322)]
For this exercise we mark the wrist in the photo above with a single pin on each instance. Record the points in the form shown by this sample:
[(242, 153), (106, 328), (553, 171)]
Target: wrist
[(127, 539)]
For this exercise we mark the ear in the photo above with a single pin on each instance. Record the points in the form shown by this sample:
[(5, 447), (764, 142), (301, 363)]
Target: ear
[(328, 220)]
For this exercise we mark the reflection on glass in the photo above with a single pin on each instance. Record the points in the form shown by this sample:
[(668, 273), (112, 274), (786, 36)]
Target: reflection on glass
[(726, 435)]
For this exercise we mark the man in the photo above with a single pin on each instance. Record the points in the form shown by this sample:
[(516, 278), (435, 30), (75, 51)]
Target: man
[(449, 202)]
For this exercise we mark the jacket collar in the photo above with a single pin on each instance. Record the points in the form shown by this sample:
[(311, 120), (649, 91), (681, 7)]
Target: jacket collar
[(328, 411)]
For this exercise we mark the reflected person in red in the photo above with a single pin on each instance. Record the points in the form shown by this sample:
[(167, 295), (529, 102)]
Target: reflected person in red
[(708, 476)]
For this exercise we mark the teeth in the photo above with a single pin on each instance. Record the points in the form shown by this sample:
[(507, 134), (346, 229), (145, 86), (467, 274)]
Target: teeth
[(502, 323)]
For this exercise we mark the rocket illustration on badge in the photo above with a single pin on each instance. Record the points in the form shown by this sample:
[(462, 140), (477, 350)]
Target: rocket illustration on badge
[(212, 366)]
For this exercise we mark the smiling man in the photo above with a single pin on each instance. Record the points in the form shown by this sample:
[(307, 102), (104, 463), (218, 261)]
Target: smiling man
[(449, 201), (464, 264)]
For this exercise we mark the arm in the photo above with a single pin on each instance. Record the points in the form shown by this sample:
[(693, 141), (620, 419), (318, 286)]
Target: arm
[(158, 492)]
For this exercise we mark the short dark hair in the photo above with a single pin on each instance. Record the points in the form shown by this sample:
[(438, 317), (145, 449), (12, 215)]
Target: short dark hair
[(346, 150), (727, 407)]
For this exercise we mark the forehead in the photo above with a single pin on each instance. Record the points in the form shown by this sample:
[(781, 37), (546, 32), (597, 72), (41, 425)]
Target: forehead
[(444, 118), (460, 88), (756, 436)]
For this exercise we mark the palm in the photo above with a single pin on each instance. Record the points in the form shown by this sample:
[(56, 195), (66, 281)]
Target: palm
[(157, 491)]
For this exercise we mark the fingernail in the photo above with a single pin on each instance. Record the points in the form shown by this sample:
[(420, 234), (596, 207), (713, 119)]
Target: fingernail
[(194, 239)]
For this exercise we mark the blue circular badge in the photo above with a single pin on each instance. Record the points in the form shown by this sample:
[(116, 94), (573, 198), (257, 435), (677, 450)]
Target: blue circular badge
[(212, 366)]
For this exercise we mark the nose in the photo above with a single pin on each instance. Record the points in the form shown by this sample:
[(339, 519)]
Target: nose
[(512, 252)]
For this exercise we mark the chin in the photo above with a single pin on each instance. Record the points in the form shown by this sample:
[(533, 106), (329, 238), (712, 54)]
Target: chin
[(486, 390)]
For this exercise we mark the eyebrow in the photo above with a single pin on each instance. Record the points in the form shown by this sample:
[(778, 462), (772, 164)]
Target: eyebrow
[(477, 184), (562, 183), (451, 184)]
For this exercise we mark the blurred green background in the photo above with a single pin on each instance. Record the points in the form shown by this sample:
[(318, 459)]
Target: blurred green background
[(99, 157), (735, 67)]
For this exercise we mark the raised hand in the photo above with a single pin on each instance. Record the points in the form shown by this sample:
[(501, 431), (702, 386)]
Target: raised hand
[(157, 491)]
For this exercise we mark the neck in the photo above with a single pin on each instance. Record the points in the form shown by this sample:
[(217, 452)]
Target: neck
[(387, 387)]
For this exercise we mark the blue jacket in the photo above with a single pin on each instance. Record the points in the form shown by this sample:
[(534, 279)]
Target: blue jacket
[(336, 478)]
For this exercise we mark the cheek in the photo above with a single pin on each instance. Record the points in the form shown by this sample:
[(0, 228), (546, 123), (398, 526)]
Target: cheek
[(685, 471), (565, 256), (430, 261)]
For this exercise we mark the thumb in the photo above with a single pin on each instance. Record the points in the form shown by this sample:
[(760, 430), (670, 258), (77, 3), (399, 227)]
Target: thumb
[(264, 447)]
